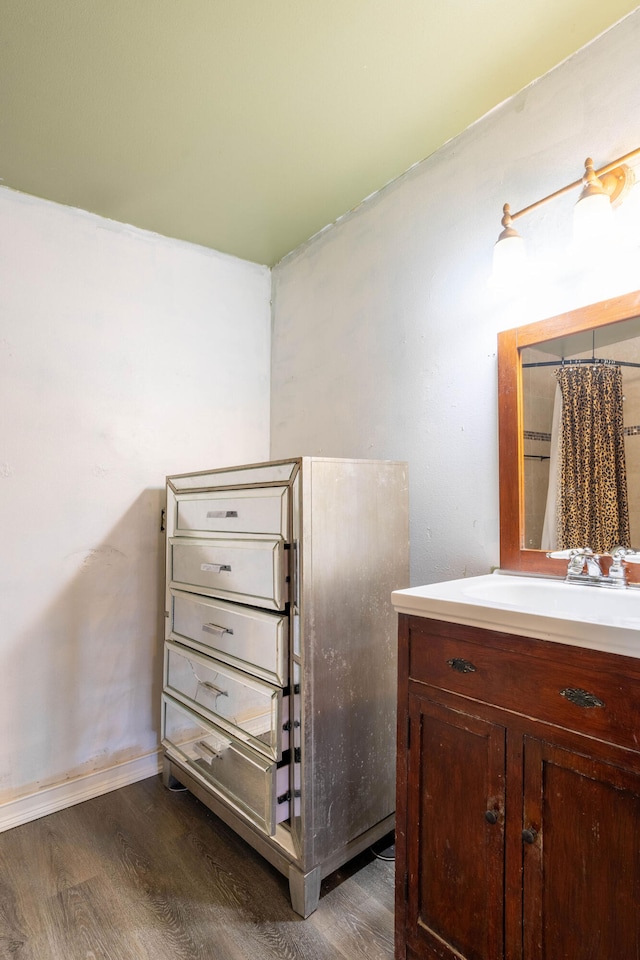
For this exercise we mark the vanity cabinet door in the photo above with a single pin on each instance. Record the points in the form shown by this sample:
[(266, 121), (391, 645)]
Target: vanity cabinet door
[(455, 834), (581, 850)]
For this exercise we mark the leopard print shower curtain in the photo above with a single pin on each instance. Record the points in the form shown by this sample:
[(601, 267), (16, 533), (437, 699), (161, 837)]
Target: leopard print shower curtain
[(592, 506)]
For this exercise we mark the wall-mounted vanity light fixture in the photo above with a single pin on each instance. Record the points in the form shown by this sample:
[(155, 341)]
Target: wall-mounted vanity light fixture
[(601, 190)]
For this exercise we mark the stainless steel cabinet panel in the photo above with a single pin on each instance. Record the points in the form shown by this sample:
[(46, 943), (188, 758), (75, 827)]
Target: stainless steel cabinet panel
[(247, 780), (252, 710), (245, 637), (249, 571), (240, 511)]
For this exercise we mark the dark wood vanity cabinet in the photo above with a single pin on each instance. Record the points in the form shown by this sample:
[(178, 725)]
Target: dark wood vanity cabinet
[(518, 807)]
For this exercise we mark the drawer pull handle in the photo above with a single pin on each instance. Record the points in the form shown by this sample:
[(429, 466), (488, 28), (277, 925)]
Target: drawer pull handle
[(219, 692), (216, 630), (215, 567), (206, 751), (221, 514), (581, 698), (529, 836), (461, 666)]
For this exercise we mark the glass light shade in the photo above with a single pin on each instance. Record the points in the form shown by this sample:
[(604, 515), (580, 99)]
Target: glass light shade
[(592, 220), (509, 261)]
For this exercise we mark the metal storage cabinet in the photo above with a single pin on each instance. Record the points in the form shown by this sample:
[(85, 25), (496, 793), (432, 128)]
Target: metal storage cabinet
[(279, 703)]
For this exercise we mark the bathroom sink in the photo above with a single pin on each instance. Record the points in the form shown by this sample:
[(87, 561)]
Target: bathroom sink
[(573, 600), (549, 609)]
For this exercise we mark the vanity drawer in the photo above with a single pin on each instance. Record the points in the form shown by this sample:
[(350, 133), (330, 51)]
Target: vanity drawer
[(553, 686), (250, 782), (247, 638), (248, 571), (250, 709), (236, 511)]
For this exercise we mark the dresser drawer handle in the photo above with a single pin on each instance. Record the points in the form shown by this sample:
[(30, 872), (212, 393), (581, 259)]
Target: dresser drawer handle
[(221, 514), (462, 666), (581, 698), (216, 630), (219, 692), (203, 748), (215, 567)]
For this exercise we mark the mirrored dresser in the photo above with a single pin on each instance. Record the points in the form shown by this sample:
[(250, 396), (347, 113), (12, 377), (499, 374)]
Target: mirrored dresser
[(279, 698)]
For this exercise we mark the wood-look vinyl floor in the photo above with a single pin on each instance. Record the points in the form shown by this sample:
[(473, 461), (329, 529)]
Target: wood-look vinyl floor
[(146, 874)]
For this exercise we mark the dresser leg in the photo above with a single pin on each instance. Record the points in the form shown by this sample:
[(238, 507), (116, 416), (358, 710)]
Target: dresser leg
[(168, 778), (304, 889)]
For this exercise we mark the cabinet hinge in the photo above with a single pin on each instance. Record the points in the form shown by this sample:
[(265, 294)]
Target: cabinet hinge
[(163, 517), (408, 732)]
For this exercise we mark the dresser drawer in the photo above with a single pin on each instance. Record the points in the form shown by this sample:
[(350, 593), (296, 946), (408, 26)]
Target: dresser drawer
[(555, 688), (247, 638), (236, 511), (250, 709), (249, 571), (245, 779)]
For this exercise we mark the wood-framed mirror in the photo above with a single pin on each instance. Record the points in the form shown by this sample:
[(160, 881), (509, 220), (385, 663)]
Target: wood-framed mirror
[(605, 329)]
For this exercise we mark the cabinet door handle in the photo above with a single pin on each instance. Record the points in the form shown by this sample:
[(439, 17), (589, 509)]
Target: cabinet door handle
[(491, 816), (221, 514), (581, 698), (215, 629), (529, 836), (215, 567), (461, 666)]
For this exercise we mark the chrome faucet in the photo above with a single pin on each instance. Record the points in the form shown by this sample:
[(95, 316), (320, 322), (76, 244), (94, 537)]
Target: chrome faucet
[(585, 567)]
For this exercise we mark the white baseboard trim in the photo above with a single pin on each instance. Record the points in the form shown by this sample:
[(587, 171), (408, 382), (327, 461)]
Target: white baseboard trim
[(66, 794)]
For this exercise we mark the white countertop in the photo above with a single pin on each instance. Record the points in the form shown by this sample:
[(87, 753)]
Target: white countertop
[(601, 618)]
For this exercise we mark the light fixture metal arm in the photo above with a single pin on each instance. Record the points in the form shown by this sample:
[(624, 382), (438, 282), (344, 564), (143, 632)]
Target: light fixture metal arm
[(608, 168)]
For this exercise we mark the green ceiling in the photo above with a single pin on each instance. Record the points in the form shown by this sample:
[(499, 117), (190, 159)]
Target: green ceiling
[(248, 125)]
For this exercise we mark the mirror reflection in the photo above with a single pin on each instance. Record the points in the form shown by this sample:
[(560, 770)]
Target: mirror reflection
[(581, 411)]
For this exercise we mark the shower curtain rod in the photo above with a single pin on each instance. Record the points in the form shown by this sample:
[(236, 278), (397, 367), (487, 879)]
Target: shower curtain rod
[(570, 363)]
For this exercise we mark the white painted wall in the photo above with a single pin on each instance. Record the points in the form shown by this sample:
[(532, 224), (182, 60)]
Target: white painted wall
[(124, 357), (384, 339)]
